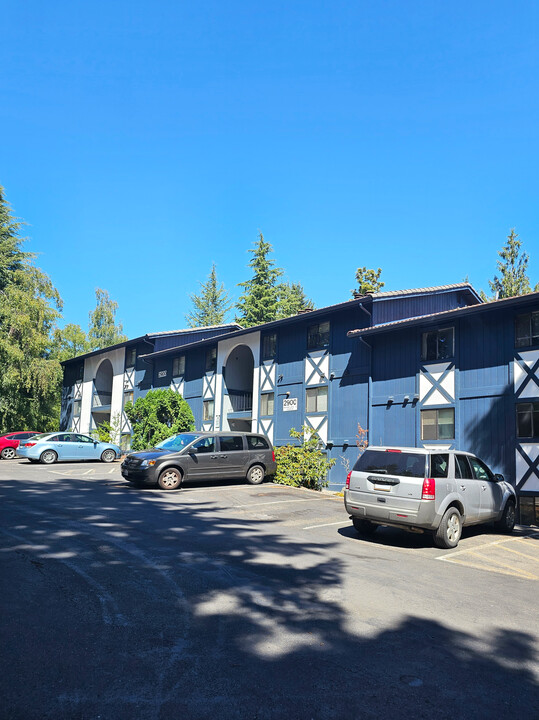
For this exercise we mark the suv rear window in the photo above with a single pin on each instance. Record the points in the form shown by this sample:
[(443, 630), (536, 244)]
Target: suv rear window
[(392, 463)]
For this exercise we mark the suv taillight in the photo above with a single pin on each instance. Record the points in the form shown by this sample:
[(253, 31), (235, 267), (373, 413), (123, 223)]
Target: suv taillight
[(273, 455), (348, 480), (429, 489)]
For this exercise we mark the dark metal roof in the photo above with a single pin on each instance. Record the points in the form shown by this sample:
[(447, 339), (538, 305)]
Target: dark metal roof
[(445, 315), (435, 289), (142, 338)]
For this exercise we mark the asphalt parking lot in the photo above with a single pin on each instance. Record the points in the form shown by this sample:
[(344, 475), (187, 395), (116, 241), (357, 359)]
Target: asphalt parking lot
[(251, 601)]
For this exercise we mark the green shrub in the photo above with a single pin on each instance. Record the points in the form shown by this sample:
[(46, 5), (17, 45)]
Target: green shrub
[(304, 464), (157, 416)]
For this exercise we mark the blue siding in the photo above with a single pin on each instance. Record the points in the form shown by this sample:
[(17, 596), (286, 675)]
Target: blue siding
[(390, 309), (166, 342)]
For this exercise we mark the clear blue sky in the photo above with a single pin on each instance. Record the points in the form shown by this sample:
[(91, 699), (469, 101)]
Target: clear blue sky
[(144, 141)]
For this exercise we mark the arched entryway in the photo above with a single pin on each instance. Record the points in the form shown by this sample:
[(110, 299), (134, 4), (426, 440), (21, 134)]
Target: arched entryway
[(238, 388), (102, 394)]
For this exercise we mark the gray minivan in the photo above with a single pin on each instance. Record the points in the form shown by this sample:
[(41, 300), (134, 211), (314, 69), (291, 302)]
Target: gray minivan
[(419, 490), (202, 456)]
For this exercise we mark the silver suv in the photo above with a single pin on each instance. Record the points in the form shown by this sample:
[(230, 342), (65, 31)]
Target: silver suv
[(423, 490)]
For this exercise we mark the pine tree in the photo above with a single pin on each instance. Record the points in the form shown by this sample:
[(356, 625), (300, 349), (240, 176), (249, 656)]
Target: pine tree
[(102, 328), (291, 300), (29, 309), (513, 279), (368, 281), (259, 302), (211, 305)]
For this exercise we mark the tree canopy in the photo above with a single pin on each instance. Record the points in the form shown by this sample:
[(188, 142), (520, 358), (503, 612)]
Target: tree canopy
[(513, 270), (29, 309), (291, 299), (368, 281), (157, 416), (211, 305), (259, 302), (102, 328)]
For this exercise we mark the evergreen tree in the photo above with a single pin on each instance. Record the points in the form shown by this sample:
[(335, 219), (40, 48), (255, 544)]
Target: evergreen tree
[(102, 328), (29, 308), (513, 279), (259, 302), (291, 300), (368, 281), (211, 305)]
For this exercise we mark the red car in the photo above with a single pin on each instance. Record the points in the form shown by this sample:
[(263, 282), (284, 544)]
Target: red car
[(10, 441)]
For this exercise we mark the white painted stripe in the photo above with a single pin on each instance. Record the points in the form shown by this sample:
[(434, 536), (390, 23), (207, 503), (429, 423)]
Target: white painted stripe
[(311, 527)]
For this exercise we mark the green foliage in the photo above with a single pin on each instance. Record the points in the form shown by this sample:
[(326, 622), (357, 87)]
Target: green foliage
[(70, 342), (102, 328), (302, 465), (109, 432), (157, 416), (212, 305), (368, 281), (291, 300), (513, 278), (30, 306), (259, 302)]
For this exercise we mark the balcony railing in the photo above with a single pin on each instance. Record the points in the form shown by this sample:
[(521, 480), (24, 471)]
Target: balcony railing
[(241, 400), (101, 398)]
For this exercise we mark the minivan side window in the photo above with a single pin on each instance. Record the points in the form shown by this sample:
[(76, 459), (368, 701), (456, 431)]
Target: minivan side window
[(228, 444), (204, 445), (256, 443)]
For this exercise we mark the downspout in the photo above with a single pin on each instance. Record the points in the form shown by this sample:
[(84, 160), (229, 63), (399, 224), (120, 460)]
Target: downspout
[(369, 388)]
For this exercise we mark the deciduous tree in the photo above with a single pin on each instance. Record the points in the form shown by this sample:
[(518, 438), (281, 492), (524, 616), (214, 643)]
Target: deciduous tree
[(157, 416), (102, 328)]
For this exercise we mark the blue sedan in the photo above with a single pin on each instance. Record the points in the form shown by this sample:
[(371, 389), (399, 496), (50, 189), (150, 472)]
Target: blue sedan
[(51, 447)]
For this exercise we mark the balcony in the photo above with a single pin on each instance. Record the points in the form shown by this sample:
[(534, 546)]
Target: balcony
[(241, 401)]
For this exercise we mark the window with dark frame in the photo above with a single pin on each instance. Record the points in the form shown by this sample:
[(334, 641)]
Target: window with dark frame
[(211, 359), (438, 344), (76, 408), (527, 329), (527, 420), (130, 357), (128, 397), (438, 424), (269, 346), (267, 403), (316, 399), (318, 336), (178, 366)]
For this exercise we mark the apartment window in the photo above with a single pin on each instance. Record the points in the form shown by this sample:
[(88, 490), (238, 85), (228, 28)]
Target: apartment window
[(318, 336), (528, 420), (269, 346), (130, 357), (178, 366), (316, 399), (207, 410), (527, 329), (79, 372), (438, 424), (267, 401), (438, 344), (128, 397), (211, 359), (76, 408)]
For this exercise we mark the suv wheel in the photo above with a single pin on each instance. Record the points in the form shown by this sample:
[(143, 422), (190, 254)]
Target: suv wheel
[(170, 479), (364, 527), (449, 530), (507, 521)]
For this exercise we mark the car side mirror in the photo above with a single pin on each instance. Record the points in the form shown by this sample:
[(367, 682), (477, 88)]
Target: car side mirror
[(499, 478)]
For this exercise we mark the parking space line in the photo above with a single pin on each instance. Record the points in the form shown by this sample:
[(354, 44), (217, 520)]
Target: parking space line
[(312, 527), (517, 552), (479, 566), (485, 545)]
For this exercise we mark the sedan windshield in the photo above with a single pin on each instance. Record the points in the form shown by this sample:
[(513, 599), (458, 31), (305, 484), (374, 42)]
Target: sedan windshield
[(177, 442)]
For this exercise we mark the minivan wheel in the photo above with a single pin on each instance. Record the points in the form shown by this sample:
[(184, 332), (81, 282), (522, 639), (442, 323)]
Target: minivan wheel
[(170, 479), (255, 475), (364, 527), (506, 523), (8, 453), (449, 530)]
